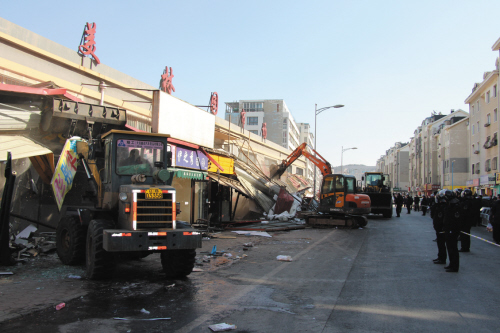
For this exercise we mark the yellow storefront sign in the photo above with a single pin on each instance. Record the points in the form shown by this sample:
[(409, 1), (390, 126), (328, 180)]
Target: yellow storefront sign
[(225, 162), (497, 178)]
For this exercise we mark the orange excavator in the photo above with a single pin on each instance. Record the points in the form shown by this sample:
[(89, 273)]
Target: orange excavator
[(340, 204)]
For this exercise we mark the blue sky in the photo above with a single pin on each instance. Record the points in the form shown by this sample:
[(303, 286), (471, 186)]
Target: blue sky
[(391, 63)]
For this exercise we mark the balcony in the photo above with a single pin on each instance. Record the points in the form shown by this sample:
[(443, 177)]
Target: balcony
[(476, 151), (487, 124)]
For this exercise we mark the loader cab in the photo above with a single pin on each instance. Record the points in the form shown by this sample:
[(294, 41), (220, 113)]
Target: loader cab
[(376, 182)]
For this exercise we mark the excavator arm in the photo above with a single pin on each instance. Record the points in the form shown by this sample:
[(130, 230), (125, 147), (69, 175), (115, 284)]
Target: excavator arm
[(301, 150)]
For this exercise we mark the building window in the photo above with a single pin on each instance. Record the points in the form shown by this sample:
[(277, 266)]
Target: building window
[(488, 119), (473, 168), (477, 127), (494, 163), (254, 132), (473, 129), (487, 166), (253, 107), (473, 148), (477, 106), (299, 171), (487, 97), (253, 120), (495, 90), (495, 115), (477, 167), (285, 123), (472, 109)]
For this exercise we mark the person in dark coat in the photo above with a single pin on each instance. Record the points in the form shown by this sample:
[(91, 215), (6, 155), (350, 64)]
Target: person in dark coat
[(495, 220), (424, 202), (399, 204), (417, 203), (451, 227), (437, 215), (409, 203), (467, 221)]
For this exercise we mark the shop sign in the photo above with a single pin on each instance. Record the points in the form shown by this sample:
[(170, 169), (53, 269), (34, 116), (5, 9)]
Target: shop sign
[(487, 180), (468, 183), (65, 171), (190, 158), (87, 43), (497, 178), (475, 182), (226, 163)]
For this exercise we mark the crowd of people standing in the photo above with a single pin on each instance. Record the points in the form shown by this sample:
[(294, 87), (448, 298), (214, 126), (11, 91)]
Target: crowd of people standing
[(453, 214)]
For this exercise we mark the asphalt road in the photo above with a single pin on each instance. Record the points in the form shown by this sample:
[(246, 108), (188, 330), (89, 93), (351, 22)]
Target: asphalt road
[(377, 279)]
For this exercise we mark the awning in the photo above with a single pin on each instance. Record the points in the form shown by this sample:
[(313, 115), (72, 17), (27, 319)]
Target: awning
[(41, 157), (233, 183), (189, 174)]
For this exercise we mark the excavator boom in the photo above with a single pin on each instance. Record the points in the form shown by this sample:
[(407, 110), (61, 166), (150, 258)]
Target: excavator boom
[(301, 150)]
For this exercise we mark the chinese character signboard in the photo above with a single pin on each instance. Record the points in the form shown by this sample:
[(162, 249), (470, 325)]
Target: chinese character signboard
[(189, 158), (62, 181), (166, 81), (87, 44)]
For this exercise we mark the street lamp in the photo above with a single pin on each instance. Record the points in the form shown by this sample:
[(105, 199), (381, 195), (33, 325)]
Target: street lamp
[(316, 112), (342, 157)]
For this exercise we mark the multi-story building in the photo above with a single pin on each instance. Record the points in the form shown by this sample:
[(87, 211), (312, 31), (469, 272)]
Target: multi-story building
[(281, 127), (395, 164), (452, 154), (483, 132), (307, 136)]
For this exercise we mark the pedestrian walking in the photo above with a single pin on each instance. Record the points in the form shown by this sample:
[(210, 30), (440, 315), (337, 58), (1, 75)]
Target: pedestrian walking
[(437, 215), (451, 228), (409, 203), (417, 203), (399, 204)]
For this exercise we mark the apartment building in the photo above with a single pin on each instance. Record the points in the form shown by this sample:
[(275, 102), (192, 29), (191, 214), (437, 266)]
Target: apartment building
[(281, 127), (424, 162), (484, 104), (395, 163)]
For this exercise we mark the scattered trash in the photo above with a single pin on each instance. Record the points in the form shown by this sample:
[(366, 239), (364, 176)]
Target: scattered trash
[(284, 258), (244, 255), (214, 250), (145, 311), (197, 270), (253, 233), (228, 255), (248, 245), (118, 318), (60, 306), (71, 276), (222, 327), (170, 286)]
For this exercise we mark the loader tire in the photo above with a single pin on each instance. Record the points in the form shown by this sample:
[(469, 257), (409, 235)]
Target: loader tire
[(178, 263), (70, 241), (99, 262)]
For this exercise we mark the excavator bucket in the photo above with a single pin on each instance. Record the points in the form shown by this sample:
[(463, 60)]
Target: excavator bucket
[(277, 170)]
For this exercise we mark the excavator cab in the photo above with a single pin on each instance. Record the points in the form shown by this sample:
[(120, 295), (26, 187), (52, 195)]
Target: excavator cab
[(338, 194)]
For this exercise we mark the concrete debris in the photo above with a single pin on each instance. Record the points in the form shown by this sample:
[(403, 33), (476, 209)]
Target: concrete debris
[(248, 245), (284, 258), (222, 327), (145, 311), (253, 233), (60, 306), (118, 318), (27, 232), (198, 270)]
